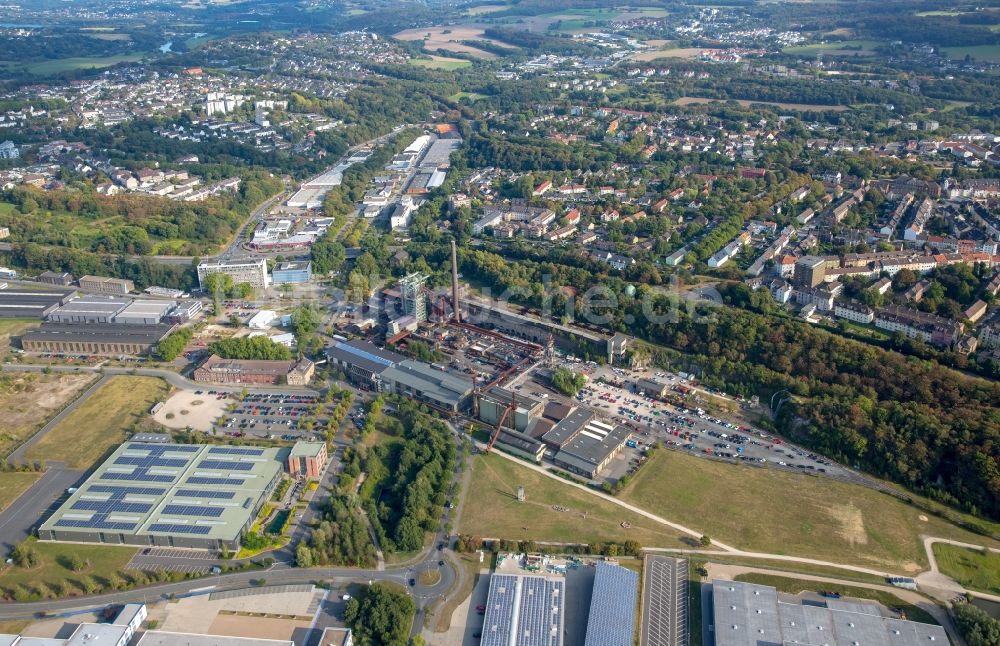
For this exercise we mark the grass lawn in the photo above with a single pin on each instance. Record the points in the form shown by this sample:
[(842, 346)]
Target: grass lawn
[(56, 576), (834, 45), (471, 96), (795, 586), (988, 53), (13, 484), (86, 434), (971, 568), (492, 510), (440, 63), (789, 513), (45, 68)]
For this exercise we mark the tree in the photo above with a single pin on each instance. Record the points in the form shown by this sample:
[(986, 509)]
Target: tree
[(259, 347), (380, 617), (25, 555), (705, 540), (170, 347), (978, 628), (568, 382), (303, 555)]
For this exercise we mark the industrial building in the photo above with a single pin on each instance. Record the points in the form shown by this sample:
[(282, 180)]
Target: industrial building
[(106, 285), (651, 388), (144, 312), (89, 309), (380, 370), (611, 621), (585, 444), (253, 272), (746, 614), (102, 339), (524, 609), (307, 460), (496, 400), (184, 311), (244, 371), (31, 303), (60, 278), (292, 273), (169, 495), (664, 601)]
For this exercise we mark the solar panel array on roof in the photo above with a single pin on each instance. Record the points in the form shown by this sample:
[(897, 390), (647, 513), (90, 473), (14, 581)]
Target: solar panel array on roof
[(222, 482), (171, 528), (526, 610), (225, 464), (612, 607), (232, 450), (204, 493), (193, 510)]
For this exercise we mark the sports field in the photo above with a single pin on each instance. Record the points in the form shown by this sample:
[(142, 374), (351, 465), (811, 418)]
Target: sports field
[(552, 510), (100, 422), (789, 513)]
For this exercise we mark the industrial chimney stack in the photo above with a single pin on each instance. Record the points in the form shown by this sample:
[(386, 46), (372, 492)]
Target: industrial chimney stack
[(454, 283)]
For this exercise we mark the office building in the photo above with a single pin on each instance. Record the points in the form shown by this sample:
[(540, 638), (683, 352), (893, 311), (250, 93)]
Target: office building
[(252, 272), (94, 338), (611, 621), (810, 271), (169, 495), (524, 609), (747, 614), (184, 311), (292, 273), (106, 285), (307, 460)]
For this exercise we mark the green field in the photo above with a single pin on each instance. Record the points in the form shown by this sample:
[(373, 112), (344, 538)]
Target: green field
[(795, 586), (13, 484), (988, 53), (492, 510), (834, 46), (46, 68), (100, 423), (53, 577), (471, 96), (440, 63), (972, 568), (781, 512)]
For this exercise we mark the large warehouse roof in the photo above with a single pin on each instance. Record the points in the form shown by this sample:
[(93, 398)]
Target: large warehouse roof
[(93, 305), (434, 385), (526, 610), (747, 615), (30, 303), (98, 332), (612, 607), (191, 490)]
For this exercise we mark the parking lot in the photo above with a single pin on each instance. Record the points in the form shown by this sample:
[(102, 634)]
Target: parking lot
[(696, 431), (272, 416)]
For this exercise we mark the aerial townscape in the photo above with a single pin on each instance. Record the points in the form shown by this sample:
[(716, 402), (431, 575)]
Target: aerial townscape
[(500, 323)]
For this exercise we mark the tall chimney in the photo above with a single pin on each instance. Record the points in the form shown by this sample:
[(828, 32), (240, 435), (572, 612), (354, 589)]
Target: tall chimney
[(454, 283)]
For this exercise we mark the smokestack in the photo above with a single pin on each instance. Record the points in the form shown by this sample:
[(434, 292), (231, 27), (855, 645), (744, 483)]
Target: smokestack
[(454, 283)]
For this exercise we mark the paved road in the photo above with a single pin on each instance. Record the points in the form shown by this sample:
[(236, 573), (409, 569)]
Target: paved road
[(17, 455), (941, 585), (17, 521)]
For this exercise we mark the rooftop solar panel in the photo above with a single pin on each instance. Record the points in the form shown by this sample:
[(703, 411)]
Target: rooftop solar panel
[(171, 528), (231, 450), (193, 510), (126, 490), (225, 465), (204, 493), (224, 482), (136, 476)]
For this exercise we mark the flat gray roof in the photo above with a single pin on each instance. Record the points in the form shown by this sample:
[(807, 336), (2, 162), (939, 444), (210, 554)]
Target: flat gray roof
[(748, 615), (585, 440), (293, 266), (94, 304), (147, 308), (433, 384), (191, 490), (164, 638), (100, 332)]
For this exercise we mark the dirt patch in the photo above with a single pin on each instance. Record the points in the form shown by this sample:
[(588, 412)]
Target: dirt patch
[(28, 400), (450, 39), (257, 627), (678, 52), (185, 409), (852, 524)]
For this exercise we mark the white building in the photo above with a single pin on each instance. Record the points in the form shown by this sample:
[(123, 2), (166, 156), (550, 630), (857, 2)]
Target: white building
[(852, 311), (9, 151), (253, 272)]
